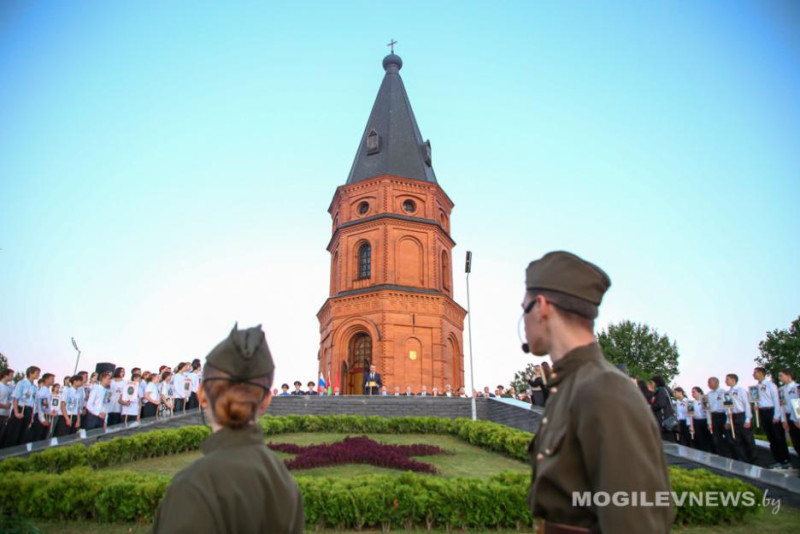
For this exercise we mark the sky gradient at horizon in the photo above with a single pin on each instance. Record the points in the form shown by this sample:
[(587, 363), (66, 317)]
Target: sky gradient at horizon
[(165, 169)]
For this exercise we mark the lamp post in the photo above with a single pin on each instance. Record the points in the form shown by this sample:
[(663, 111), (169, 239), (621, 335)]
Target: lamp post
[(468, 270), (78, 359)]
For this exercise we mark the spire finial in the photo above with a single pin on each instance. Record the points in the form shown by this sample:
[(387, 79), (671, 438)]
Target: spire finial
[(391, 46)]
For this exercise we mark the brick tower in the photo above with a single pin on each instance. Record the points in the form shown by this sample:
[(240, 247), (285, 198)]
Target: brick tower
[(391, 290)]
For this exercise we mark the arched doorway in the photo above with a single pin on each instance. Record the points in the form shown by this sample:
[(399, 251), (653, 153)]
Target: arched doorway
[(359, 358)]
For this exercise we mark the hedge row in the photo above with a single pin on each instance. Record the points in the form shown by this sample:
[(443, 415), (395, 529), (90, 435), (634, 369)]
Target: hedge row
[(487, 435), (387, 501)]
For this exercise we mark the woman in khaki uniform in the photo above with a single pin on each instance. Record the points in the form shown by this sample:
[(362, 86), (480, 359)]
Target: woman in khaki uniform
[(239, 485)]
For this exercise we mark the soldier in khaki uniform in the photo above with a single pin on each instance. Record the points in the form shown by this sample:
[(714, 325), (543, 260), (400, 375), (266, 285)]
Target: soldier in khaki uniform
[(239, 485), (597, 433)]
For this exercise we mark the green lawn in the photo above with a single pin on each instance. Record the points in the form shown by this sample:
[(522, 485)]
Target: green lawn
[(766, 523), (465, 460)]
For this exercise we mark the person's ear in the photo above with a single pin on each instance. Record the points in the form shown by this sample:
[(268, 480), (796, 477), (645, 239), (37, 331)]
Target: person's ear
[(201, 397), (265, 403)]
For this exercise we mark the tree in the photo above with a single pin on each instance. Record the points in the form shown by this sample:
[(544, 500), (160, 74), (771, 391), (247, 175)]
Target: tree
[(781, 350), (3, 362), (520, 382), (642, 349)]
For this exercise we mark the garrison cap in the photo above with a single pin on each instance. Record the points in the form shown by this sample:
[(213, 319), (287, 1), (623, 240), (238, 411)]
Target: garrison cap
[(567, 273), (244, 355)]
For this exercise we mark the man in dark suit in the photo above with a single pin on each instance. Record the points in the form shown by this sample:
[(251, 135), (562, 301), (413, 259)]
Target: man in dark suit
[(372, 381)]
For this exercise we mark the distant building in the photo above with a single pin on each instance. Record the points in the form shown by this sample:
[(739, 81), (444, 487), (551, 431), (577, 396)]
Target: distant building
[(391, 290)]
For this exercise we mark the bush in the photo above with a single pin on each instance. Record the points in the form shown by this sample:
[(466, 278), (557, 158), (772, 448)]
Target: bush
[(703, 481)]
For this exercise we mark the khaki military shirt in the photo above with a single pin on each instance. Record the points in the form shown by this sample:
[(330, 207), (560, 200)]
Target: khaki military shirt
[(597, 435), (238, 486)]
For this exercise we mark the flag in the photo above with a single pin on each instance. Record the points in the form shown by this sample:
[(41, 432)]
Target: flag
[(321, 384), (330, 385)]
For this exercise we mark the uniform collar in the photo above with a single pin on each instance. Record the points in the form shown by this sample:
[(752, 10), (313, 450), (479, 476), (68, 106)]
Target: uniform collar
[(228, 437), (574, 360)]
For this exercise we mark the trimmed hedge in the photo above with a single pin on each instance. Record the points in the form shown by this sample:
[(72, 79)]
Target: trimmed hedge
[(61, 484), (487, 435), (385, 501)]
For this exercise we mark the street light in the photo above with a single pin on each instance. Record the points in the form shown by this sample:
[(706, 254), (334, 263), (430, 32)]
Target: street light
[(78, 359), (468, 269)]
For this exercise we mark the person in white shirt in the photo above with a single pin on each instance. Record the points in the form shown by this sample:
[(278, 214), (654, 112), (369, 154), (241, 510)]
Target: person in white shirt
[(70, 420), (99, 399), (130, 399), (151, 398), (194, 377), (167, 392), (720, 429), (182, 386), (40, 427), (6, 388), (789, 392), (116, 386), (702, 435), (682, 414), (23, 400), (741, 439), (771, 418)]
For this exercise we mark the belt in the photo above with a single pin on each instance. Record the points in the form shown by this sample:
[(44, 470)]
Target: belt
[(540, 526)]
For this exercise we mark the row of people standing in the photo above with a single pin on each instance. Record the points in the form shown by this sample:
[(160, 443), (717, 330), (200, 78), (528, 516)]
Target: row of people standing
[(36, 408), (723, 421)]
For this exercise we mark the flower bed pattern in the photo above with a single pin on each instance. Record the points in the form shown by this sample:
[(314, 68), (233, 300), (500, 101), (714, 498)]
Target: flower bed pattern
[(358, 450)]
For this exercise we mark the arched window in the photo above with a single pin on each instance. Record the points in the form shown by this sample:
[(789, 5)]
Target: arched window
[(364, 261), (360, 351)]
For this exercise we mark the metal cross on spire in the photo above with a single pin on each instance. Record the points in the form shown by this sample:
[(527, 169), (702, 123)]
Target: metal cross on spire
[(391, 45)]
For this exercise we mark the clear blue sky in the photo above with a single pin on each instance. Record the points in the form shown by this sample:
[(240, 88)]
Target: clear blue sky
[(165, 168)]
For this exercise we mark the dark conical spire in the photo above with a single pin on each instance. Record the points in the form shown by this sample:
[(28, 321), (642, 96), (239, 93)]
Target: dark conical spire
[(391, 143)]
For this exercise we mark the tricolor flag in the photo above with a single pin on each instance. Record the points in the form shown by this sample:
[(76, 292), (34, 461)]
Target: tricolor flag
[(330, 385), (321, 384)]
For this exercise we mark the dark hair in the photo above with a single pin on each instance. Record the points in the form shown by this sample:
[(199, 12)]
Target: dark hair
[(644, 389), (734, 376), (658, 380), (75, 378), (32, 370), (134, 376), (285, 386), (310, 384), (297, 383), (6, 373), (136, 370), (48, 375), (149, 377), (547, 371), (234, 404), (678, 388), (166, 374), (698, 389), (761, 370), (118, 372), (788, 372), (195, 364), (104, 374)]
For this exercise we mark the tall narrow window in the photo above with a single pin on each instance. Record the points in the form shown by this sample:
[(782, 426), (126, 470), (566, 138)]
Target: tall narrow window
[(445, 271), (364, 261)]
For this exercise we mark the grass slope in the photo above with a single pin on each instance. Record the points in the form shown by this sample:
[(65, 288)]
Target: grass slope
[(765, 523)]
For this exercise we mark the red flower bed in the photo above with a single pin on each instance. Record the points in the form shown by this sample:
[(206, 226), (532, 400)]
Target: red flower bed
[(360, 450)]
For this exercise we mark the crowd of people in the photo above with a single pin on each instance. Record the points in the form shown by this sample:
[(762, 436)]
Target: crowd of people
[(724, 420), (38, 407)]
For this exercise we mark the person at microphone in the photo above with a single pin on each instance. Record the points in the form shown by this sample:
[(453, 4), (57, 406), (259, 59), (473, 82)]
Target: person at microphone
[(372, 381), (597, 433)]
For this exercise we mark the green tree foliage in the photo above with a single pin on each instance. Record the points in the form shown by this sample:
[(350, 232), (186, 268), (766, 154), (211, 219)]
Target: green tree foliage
[(781, 350), (3, 362), (520, 381), (642, 349)]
